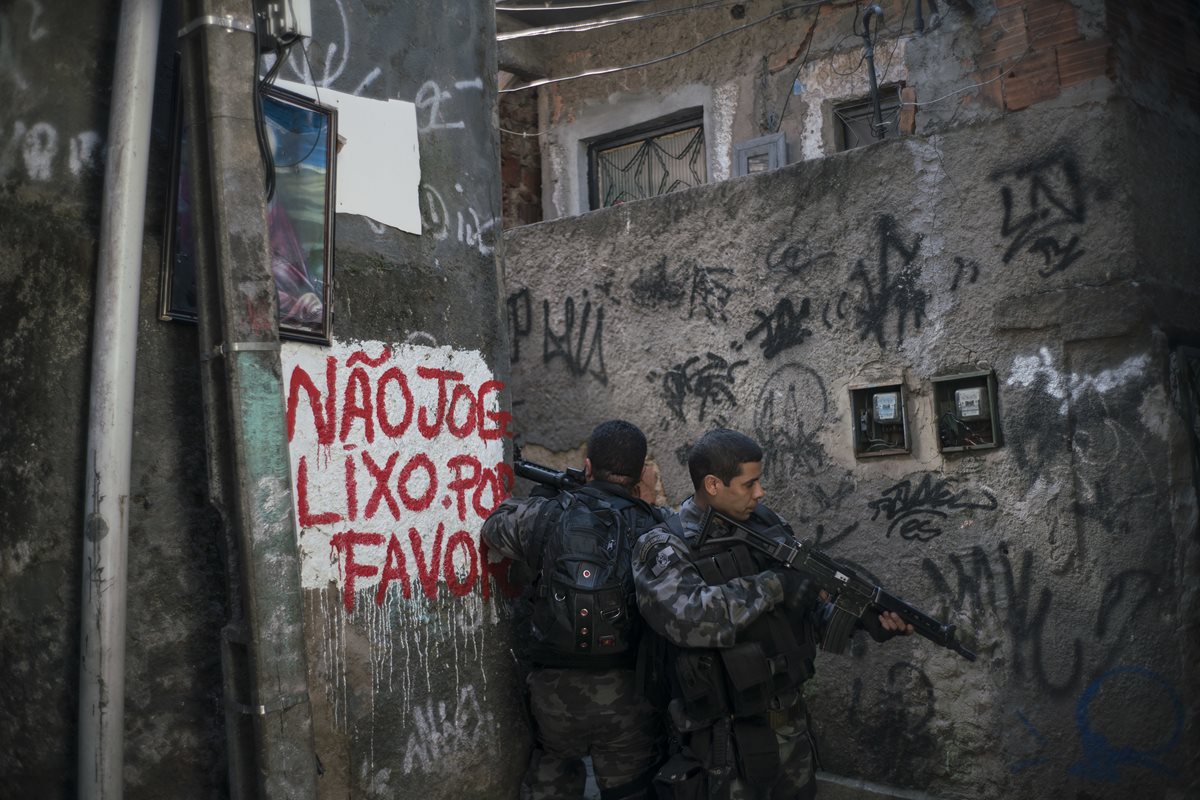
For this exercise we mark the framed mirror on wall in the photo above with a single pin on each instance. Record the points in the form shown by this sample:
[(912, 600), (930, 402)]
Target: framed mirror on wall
[(302, 137)]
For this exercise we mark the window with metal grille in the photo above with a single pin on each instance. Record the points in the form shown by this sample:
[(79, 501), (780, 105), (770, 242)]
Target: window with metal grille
[(653, 159), (853, 120)]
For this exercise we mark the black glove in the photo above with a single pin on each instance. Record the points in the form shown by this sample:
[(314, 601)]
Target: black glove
[(798, 591)]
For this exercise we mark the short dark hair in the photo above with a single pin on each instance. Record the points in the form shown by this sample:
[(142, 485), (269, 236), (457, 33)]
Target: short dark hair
[(617, 450), (721, 452)]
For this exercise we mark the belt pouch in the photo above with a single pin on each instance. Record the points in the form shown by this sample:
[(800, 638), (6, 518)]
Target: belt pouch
[(749, 678), (701, 684), (757, 751), (681, 778)]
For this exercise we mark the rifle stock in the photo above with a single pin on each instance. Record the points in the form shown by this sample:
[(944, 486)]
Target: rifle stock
[(853, 597)]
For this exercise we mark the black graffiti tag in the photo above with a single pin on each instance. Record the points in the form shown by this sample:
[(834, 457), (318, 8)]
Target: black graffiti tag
[(709, 294), (916, 513), (794, 258), (791, 408), (709, 379), (581, 339), (1044, 208), (961, 266), (654, 287), (782, 328), (894, 288), (520, 320)]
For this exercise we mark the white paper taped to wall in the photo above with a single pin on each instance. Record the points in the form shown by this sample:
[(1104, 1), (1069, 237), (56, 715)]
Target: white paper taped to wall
[(379, 166)]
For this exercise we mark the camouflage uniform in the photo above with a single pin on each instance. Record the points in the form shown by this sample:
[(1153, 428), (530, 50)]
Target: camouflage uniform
[(580, 711), (699, 616)]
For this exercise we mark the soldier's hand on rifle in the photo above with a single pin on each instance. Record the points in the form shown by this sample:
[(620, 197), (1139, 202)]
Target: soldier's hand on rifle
[(884, 626), (798, 591)]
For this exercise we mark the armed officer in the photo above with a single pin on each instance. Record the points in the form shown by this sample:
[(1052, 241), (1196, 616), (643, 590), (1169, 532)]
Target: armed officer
[(585, 627), (741, 637)]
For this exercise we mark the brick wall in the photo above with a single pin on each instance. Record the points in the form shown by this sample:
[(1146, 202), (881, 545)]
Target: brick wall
[(520, 159), (1033, 49)]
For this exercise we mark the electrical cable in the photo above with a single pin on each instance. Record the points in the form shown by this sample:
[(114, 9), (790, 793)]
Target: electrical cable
[(260, 124), (581, 27), (669, 56), (1028, 49), (812, 29), (572, 7), (526, 135), (896, 46)]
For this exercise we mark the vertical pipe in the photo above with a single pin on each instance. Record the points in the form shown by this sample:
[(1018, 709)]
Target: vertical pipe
[(269, 722), (110, 418), (869, 55)]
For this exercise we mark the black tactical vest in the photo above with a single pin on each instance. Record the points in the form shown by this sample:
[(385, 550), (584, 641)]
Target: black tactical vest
[(771, 658)]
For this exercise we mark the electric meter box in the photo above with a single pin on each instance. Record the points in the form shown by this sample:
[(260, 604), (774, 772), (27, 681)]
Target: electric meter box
[(964, 406), (880, 420), (286, 20)]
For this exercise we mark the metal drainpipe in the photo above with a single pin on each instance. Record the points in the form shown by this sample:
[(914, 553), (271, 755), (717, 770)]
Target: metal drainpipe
[(110, 419)]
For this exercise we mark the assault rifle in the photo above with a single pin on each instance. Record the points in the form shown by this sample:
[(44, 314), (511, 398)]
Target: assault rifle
[(565, 479), (853, 597)]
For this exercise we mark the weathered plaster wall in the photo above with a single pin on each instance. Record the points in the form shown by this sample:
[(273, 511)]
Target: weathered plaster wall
[(408, 695), (973, 62), (1049, 247), (409, 691)]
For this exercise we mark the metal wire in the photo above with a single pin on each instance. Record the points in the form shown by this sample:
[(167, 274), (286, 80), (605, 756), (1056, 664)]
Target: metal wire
[(669, 56)]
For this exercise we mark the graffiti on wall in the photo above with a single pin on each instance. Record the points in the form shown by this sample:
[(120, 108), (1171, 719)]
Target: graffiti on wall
[(896, 719), (456, 219), (519, 315), (654, 287), (396, 459), (1045, 208), (1039, 644), (431, 99), (699, 385), (576, 337), (918, 512), (439, 733), (708, 289), (892, 294), (37, 149), (782, 327), (794, 257), (1111, 750), (790, 409)]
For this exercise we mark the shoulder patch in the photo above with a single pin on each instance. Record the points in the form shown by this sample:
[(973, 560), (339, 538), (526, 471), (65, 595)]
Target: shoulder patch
[(663, 561)]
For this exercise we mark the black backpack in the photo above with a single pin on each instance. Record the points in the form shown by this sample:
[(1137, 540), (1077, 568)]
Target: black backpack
[(585, 609)]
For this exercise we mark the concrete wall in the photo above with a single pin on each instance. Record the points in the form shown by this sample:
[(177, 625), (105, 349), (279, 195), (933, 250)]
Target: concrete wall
[(407, 695), (1050, 247), (756, 71)]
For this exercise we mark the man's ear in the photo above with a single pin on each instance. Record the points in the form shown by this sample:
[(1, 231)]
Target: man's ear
[(587, 468), (711, 484)]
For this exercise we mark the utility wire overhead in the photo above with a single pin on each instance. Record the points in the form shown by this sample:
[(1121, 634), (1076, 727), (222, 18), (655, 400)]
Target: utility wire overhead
[(572, 7), (669, 56), (582, 27)]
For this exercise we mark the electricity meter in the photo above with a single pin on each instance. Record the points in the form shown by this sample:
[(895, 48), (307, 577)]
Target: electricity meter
[(887, 406), (880, 421), (965, 409), (969, 402)]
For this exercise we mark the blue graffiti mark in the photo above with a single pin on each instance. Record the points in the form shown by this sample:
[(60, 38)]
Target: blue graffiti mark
[(1037, 758), (1101, 760)]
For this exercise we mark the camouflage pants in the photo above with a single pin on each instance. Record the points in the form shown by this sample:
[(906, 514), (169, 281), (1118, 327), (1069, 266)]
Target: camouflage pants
[(797, 779), (589, 712)]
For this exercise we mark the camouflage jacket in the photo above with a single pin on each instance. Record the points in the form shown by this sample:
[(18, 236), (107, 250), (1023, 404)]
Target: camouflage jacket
[(675, 600)]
